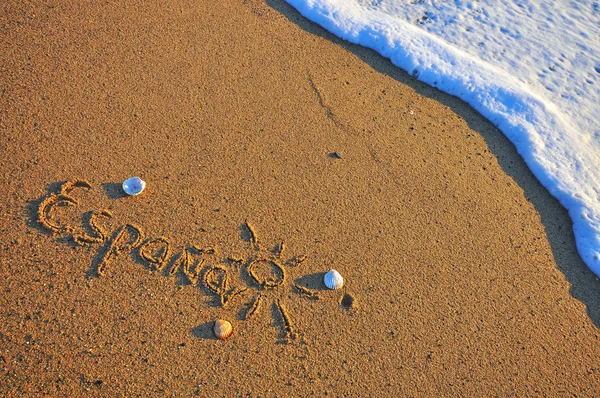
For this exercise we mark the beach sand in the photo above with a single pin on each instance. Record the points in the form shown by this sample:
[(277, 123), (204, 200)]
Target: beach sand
[(462, 276)]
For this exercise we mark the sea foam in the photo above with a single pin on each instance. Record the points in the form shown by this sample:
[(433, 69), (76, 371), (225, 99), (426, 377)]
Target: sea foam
[(533, 69)]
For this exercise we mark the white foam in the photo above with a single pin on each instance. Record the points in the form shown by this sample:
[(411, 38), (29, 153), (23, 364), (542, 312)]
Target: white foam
[(533, 69)]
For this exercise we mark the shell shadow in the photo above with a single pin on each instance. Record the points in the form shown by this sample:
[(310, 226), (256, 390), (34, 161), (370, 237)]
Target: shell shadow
[(204, 331), (114, 190), (312, 281), (348, 301)]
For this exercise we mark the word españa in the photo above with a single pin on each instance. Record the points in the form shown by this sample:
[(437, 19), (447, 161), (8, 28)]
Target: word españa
[(192, 261)]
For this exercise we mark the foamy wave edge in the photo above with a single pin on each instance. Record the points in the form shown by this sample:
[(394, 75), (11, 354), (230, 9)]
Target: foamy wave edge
[(536, 127)]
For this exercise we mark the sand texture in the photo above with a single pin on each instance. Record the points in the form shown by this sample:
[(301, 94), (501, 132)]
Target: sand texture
[(272, 153)]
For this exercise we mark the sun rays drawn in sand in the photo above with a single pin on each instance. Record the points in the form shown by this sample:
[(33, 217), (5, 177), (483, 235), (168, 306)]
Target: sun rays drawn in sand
[(266, 269)]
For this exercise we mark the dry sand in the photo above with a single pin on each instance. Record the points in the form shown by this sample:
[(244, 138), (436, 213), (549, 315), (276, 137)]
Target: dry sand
[(463, 269)]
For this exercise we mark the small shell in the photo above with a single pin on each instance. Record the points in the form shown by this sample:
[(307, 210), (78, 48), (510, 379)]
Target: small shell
[(222, 329), (333, 279), (133, 186)]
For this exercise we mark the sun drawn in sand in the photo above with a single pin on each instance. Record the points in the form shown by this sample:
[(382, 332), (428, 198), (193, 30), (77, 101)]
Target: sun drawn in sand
[(265, 270)]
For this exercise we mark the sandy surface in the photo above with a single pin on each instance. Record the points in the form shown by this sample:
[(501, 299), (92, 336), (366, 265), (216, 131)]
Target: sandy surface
[(462, 276)]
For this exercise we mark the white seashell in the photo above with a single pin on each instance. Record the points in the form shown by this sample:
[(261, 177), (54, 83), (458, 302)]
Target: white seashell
[(333, 279), (133, 186), (222, 329)]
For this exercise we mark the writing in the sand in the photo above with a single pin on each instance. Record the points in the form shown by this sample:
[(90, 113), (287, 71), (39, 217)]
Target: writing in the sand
[(264, 279)]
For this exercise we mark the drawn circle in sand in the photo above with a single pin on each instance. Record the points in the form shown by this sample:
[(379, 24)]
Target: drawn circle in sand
[(267, 273)]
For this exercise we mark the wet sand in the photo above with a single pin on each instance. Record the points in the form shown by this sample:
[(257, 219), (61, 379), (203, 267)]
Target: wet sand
[(461, 272)]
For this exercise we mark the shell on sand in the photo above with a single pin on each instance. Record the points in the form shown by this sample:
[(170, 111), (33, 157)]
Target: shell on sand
[(133, 186), (333, 279), (222, 329)]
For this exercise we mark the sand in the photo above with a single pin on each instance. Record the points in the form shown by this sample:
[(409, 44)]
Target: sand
[(462, 276)]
